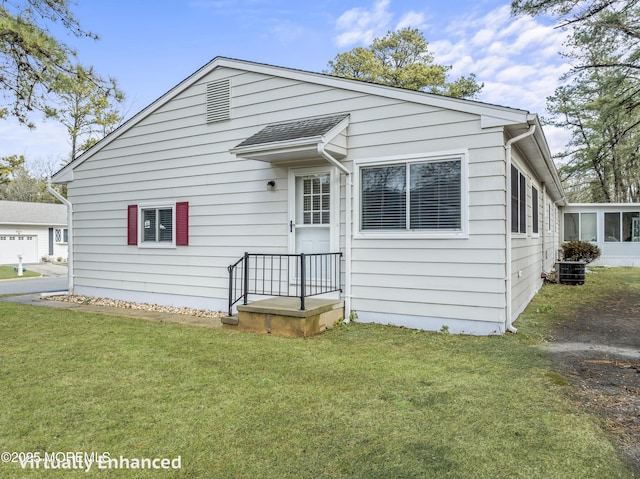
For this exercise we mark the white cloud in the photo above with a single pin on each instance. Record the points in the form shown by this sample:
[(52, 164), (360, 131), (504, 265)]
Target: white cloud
[(413, 20), (360, 25), (516, 58), (482, 37)]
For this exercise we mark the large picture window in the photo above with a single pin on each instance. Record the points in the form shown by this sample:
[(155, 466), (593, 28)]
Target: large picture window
[(412, 196)]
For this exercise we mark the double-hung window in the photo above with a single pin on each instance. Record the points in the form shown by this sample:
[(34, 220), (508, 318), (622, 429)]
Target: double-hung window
[(62, 235), (422, 196), (157, 225), (535, 214), (518, 201)]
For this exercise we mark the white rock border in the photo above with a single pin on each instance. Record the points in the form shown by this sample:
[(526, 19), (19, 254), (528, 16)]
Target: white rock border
[(116, 303)]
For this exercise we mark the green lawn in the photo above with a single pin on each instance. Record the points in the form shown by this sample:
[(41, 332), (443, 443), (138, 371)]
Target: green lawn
[(8, 272), (359, 401)]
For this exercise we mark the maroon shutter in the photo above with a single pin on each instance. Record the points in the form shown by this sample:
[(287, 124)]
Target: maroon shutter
[(132, 225), (182, 223)]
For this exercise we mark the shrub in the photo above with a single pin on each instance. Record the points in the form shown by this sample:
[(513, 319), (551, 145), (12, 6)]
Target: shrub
[(576, 250)]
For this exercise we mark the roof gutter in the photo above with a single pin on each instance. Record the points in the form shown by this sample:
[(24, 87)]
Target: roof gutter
[(508, 266), (347, 241), (69, 206)]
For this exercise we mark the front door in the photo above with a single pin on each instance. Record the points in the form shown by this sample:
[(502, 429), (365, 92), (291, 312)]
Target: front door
[(312, 206)]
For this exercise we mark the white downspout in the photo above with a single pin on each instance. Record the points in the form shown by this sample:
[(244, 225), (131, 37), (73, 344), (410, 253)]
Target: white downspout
[(543, 233), (69, 206), (508, 266), (347, 241)]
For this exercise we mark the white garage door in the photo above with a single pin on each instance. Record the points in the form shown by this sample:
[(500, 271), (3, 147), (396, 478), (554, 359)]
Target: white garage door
[(11, 246)]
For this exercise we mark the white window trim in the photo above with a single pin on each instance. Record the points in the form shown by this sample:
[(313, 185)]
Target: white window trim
[(61, 230), (334, 221), (156, 244), (463, 233), (527, 187), (535, 234), (580, 213)]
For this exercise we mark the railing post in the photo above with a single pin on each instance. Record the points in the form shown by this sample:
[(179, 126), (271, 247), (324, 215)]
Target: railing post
[(303, 280), (230, 269), (246, 277)]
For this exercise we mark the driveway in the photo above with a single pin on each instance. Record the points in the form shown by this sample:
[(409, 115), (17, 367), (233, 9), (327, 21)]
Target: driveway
[(598, 351), (54, 278)]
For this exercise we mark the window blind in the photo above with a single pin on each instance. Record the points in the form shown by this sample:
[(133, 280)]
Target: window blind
[(384, 198), (434, 201), (435, 195)]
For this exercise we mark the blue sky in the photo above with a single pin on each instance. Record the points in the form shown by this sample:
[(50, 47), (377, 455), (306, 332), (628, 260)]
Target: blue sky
[(150, 46)]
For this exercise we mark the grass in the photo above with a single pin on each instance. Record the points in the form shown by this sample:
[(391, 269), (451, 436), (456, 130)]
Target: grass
[(556, 303), (7, 272), (359, 401)]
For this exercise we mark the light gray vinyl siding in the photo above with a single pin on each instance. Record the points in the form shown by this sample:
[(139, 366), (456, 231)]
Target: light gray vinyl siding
[(444, 278), (174, 155), (531, 253)]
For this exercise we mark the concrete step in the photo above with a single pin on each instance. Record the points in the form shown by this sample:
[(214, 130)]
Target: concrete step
[(230, 320)]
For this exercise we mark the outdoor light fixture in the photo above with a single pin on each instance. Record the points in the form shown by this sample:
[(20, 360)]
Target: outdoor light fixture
[(271, 185)]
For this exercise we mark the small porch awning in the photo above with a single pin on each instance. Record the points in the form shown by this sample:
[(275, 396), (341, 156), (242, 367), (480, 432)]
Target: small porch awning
[(297, 140)]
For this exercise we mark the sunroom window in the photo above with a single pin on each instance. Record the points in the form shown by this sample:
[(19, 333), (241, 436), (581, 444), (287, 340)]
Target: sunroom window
[(412, 196), (580, 226), (622, 227)]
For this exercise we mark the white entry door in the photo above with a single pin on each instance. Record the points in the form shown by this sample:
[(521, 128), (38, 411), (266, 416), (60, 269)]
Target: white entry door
[(313, 204)]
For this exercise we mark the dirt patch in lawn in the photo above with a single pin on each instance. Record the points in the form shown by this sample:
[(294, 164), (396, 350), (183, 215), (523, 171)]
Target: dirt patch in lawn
[(598, 350)]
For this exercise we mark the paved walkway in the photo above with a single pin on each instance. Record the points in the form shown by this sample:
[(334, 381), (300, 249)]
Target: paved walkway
[(49, 270)]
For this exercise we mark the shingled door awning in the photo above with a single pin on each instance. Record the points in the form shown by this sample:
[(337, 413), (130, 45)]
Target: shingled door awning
[(297, 140)]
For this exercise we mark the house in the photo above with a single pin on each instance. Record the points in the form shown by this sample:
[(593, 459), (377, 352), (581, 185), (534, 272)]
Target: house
[(438, 211), (33, 230), (613, 227)]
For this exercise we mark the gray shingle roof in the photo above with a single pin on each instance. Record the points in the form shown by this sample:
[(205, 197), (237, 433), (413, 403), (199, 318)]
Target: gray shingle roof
[(18, 212), (294, 130)]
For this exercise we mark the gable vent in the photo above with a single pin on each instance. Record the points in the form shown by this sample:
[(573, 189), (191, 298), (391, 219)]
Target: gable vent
[(218, 101)]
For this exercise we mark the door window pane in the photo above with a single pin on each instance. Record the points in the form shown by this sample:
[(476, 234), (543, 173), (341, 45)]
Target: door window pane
[(316, 194)]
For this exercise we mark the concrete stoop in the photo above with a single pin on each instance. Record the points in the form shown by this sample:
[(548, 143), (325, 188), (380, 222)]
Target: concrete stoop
[(282, 317)]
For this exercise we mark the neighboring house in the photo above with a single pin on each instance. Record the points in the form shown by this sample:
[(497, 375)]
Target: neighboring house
[(446, 211), (34, 230), (613, 227)]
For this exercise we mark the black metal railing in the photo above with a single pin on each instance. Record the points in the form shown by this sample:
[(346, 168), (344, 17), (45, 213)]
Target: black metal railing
[(292, 275)]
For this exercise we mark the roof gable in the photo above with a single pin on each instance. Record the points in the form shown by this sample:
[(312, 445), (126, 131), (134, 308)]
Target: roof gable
[(491, 115)]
